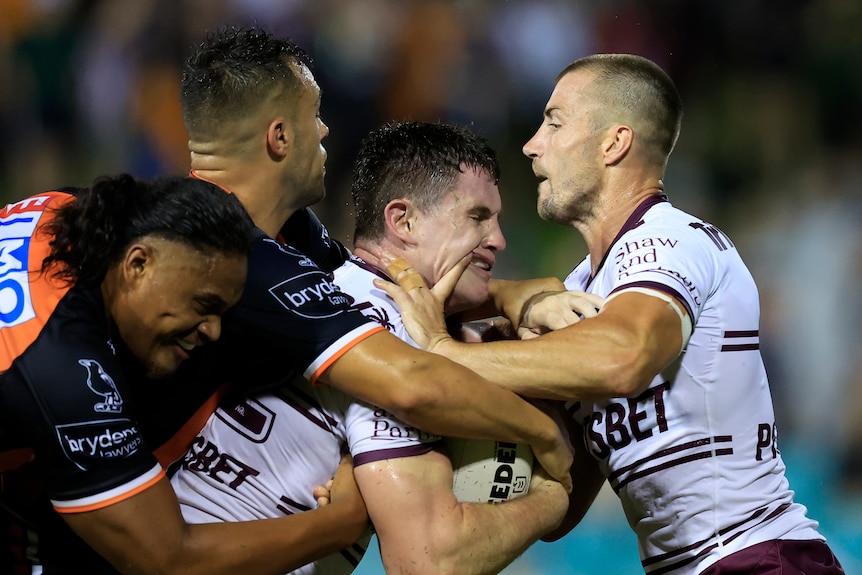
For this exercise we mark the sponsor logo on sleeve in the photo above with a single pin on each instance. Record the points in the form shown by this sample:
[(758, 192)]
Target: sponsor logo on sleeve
[(94, 441), (311, 295)]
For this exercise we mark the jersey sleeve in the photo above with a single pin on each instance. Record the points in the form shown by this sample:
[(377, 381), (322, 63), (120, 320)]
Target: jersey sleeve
[(76, 409), (672, 260), (291, 319), (373, 434)]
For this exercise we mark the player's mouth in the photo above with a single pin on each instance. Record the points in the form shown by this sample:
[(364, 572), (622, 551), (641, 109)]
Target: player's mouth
[(482, 265), (185, 345)]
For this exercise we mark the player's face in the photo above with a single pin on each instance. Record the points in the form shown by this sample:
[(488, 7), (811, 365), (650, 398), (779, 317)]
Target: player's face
[(566, 153), (466, 222), (172, 301), (306, 166)]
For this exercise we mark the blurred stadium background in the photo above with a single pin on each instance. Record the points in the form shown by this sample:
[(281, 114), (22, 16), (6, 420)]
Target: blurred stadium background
[(771, 151)]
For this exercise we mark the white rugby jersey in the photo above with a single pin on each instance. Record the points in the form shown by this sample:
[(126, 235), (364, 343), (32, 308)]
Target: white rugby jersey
[(694, 458), (262, 456)]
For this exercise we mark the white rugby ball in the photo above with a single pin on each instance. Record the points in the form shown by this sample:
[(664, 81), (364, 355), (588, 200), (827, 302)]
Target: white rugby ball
[(488, 471)]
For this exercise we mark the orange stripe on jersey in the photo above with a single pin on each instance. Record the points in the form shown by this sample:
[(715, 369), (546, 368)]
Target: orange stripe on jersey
[(197, 176), (44, 292), (179, 443), (325, 365), (107, 502)]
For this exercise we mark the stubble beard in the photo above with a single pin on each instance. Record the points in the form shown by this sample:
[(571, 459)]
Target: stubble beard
[(579, 207)]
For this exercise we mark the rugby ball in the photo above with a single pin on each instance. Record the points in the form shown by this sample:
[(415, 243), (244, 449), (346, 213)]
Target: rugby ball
[(487, 471)]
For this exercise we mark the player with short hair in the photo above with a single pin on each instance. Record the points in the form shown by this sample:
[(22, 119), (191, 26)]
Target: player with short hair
[(665, 385), (427, 192)]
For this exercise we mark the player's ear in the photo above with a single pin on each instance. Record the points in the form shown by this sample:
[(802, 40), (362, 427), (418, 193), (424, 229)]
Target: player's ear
[(617, 144), (400, 220), (136, 263), (279, 137)]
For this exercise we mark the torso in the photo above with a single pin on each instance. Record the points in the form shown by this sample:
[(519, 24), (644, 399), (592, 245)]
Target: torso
[(694, 459)]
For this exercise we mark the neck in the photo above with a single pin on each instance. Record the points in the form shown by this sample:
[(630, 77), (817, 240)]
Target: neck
[(258, 192), (610, 216), (370, 255)]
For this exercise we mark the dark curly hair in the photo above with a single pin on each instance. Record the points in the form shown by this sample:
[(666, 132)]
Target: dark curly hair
[(92, 232)]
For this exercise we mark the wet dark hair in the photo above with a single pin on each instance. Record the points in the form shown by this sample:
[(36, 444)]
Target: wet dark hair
[(92, 232), (236, 69), (414, 160)]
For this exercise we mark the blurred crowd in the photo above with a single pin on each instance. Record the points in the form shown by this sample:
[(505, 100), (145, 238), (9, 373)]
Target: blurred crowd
[(771, 145)]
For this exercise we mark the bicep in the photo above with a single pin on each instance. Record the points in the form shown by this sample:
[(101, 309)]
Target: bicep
[(653, 319), (372, 370)]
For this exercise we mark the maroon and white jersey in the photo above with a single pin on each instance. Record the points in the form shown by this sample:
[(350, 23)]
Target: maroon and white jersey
[(261, 457), (694, 458)]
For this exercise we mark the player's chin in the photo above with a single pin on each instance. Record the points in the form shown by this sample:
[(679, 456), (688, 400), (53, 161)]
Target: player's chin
[(165, 360)]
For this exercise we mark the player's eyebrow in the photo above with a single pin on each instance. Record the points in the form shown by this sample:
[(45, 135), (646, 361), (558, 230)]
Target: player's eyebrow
[(211, 302), (482, 211), (551, 111)]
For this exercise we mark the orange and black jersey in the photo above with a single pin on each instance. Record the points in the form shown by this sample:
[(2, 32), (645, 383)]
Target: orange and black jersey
[(63, 393), (75, 407)]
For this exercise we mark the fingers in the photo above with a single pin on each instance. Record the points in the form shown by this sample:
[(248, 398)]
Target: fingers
[(446, 285), (403, 273), (554, 311), (321, 494), (411, 281), (395, 266)]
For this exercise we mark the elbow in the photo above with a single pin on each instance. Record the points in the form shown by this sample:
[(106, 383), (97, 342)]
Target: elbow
[(630, 371)]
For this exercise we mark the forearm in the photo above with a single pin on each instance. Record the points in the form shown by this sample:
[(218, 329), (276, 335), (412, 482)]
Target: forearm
[(146, 534), (437, 395), (576, 363), (490, 536), (423, 529), (274, 546)]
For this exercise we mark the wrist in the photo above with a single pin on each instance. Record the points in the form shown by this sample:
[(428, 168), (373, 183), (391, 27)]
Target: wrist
[(443, 344)]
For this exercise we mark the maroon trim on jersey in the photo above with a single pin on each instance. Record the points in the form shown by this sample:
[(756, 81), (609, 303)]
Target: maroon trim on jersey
[(691, 445), (370, 268), (675, 449), (780, 557), (392, 453), (353, 554), (293, 393), (659, 287), (743, 334), (632, 222), (293, 503), (757, 516)]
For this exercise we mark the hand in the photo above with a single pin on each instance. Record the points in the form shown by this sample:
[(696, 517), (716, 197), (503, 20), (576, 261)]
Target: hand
[(421, 308), (542, 481), (556, 458), (549, 311), (555, 502), (511, 296), (322, 493)]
